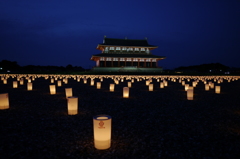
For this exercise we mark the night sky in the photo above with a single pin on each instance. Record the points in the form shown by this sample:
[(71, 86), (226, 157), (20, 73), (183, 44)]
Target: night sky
[(62, 32)]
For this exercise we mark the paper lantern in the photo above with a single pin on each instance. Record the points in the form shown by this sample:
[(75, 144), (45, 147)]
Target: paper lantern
[(98, 85), (29, 80), (4, 81), (217, 89), (21, 81), (186, 87), (84, 80), (161, 85), (92, 82), (125, 92), (165, 83), (68, 92), (72, 105), (129, 84), (29, 86), (59, 83), (150, 87), (147, 82), (4, 101), (183, 83), (111, 87), (102, 126), (52, 89), (116, 82), (15, 84), (52, 80), (190, 93), (206, 87)]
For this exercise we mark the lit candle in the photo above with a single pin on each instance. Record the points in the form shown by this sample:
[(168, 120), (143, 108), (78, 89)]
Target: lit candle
[(161, 85), (129, 84), (59, 83), (102, 126)]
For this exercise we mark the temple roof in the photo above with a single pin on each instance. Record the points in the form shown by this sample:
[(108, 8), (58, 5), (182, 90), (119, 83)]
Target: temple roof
[(126, 42), (129, 55)]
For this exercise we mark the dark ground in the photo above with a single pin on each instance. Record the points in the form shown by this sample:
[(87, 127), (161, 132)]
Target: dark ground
[(158, 124)]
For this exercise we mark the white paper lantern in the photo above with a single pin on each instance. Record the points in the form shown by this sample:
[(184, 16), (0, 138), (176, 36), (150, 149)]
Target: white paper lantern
[(102, 126), (52, 89), (4, 101), (29, 86), (150, 87), (72, 105), (15, 84), (129, 84), (111, 87), (59, 83), (217, 89), (190, 93), (98, 85), (68, 92), (125, 92)]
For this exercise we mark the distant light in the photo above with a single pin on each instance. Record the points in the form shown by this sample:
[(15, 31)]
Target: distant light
[(8, 71), (0, 68), (210, 70)]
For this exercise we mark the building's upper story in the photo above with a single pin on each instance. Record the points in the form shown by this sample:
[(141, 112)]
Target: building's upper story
[(123, 46)]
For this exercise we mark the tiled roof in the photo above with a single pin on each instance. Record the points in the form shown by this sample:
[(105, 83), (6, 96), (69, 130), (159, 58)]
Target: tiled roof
[(126, 42)]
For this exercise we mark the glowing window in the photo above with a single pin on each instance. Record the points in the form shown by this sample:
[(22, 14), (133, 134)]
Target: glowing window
[(122, 59), (148, 60), (124, 48), (142, 49), (135, 59), (102, 59), (141, 59), (154, 60), (129, 59), (136, 49), (108, 59), (111, 48), (117, 48), (115, 59)]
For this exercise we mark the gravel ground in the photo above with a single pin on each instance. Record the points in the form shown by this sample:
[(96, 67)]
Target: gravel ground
[(158, 124)]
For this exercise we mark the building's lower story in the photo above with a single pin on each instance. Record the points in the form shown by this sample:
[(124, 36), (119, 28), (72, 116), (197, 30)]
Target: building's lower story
[(127, 69)]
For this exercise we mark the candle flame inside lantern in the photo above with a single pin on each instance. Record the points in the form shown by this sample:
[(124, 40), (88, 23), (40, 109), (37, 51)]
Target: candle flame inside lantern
[(161, 85), (4, 101), (102, 125), (111, 87)]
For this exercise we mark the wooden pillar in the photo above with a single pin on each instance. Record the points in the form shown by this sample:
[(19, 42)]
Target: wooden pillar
[(105, 65), (138, 63), (132, 61), (125, 59), (112, 62), (151, 63), (144, 62)]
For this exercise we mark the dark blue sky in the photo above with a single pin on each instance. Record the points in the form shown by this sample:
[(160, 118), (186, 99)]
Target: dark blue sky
[(62, 32)]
